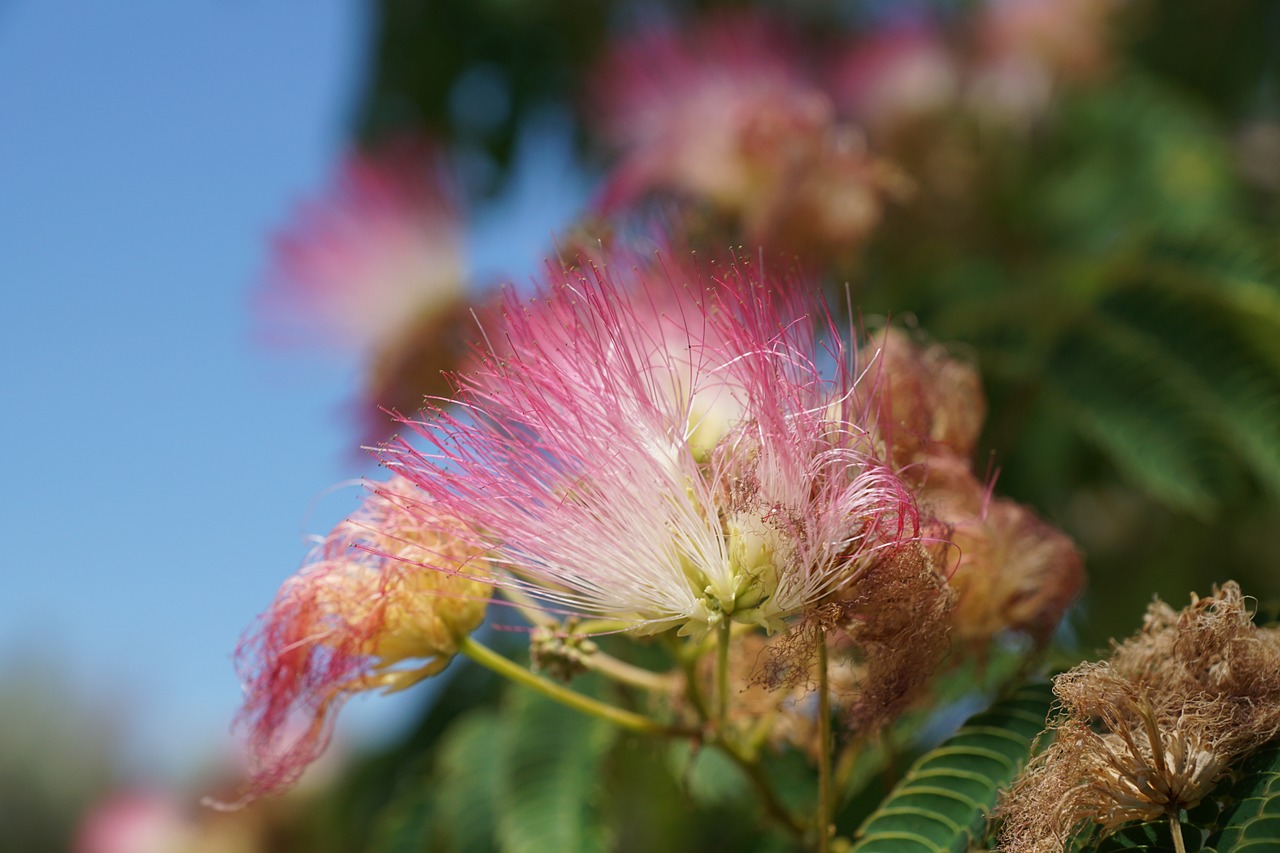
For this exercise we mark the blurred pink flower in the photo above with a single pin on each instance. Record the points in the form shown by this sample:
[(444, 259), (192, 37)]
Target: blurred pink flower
[(361, 265), (721, 111), (377, 266), (1027, 47), (660, 446), (895, 74), (726, 115), (134, 822)]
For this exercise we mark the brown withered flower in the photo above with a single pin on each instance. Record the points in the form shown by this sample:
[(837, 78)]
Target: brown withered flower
[(1151, 730), (1011, 571), (887, 634)]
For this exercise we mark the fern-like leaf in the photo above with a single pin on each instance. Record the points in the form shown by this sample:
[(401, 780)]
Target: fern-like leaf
[(467, 784), (942, 802), (1250, 818), (549, 791)]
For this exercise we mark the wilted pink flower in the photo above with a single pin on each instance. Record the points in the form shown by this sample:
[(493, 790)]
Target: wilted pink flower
[(926, 400), (377, 266), (663, 448), (1011, 570), (369, 612)]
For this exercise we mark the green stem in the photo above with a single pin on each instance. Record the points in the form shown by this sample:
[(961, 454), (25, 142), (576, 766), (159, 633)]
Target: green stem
[(722, 676), (760, 778), (748, 761), (824, 745), (531, 611), (845, 766), (689, 665), (490, 659), (621, 671)]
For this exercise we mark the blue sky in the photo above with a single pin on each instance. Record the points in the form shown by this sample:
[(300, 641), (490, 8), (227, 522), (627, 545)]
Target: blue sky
[(163, 469)]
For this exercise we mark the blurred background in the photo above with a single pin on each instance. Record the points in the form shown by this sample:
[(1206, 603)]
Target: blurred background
[(1104, 246), (161, 467)]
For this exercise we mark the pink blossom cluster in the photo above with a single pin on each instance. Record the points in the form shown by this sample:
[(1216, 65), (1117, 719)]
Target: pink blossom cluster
[(663, 446), (801, 151), (658, 442)]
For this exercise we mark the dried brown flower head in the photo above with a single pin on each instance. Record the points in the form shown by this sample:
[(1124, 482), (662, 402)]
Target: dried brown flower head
[(1010, 570), (1151, 730), (887, 633)]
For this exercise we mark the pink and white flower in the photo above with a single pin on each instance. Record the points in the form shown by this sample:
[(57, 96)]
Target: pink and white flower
[(1027, 48), (664, 447), (135, 822), (727, 116), (377, 266)]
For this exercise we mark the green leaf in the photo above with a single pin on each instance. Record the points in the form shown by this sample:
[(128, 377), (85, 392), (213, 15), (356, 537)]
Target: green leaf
[(1250, 817), (1175, 371), (1155, 837), (1232, 268), (1116, 387), (467, 783), (549, 792), (942, 802), (708, 775), (449, 804), (1134, 156)]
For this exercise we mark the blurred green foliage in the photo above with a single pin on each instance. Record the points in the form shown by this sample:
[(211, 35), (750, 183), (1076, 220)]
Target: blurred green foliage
[(56, 757)]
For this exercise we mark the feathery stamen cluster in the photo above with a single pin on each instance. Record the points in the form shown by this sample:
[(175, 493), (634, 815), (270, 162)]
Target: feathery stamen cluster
[(370, 611), (1152, 729), (661, 450)]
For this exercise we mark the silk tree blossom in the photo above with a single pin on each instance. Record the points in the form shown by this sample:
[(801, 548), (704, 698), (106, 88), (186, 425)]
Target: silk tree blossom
[(376, 265), (358, 266), (657, 448), (717, 111), (726, 114), (1028, 47), (368, 612), (135, 822), (894, 75)]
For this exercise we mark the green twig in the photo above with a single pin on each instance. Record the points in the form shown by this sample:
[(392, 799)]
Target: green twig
[(626, 673), (824, 745), (629, 720), (722, 675), (760, 779), (749, 761)]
